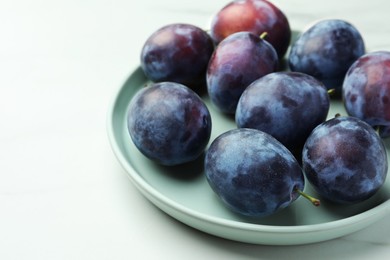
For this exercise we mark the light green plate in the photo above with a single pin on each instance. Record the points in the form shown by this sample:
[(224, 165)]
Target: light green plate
[(184, 193)]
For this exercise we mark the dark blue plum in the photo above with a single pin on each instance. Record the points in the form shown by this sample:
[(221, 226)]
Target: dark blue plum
[(169, 123), (366, 90), (239, 59), (252, 173), (326, 50), (178, 53), (286, 105), (345, 160)]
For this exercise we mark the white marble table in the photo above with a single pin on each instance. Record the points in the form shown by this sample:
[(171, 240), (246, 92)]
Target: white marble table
[(63, 194)]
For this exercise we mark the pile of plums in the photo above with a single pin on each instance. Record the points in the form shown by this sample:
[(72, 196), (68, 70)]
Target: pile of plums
[(278, 111)]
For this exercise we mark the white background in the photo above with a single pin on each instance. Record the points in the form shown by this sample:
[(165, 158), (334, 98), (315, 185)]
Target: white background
[(63, 194)]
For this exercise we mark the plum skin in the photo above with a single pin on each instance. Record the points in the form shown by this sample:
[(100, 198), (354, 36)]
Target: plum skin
[(326, 50), (179, 53), (237, 61), (286, 105), (169, 123), (345, 160), (366, 90), (255, 16), (252, 173)]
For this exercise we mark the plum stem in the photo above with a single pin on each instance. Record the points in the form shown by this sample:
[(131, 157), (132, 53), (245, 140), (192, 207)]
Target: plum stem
[(263, 35), (378, 130), (331, 91), (314, 201)]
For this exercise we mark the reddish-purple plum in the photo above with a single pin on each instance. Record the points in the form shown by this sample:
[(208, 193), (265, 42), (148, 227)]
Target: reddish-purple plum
[(252, 173), (169, 123), (286, 105), (345, 160), (256, 16), (237, 61), (326, 50), (366, 90), (178, 53)]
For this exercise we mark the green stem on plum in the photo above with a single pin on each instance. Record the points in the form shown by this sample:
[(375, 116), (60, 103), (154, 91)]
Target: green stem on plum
[(331, 91), (314, 201), (378, 130), (263, 35)]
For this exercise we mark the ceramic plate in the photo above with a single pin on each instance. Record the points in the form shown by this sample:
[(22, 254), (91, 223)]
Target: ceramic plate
[(183, 192)]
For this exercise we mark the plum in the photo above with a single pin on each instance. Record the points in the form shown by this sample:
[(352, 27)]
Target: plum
[(286, 105), (237, 61), (326, 50), (252, 173), (256, 16), (178, 53), (345, 160), (169, 123), (366, 90)]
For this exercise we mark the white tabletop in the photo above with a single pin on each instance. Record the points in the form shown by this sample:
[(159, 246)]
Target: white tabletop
[(63, 194)]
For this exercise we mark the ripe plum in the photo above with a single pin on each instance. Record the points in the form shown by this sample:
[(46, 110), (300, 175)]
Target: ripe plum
[(366, 90), (252, 173), (178, 53), (345, 160), (237, 61), (256, 16), (326, 50), (286, 105), (169, 123)]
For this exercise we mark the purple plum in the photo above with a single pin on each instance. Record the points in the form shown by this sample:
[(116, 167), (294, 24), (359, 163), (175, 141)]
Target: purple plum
[(366, 90), (237, 61), (178, 53), (252, 173), (169, 123), (286, 105), (256, 16), (345, 160), (326, 50)]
